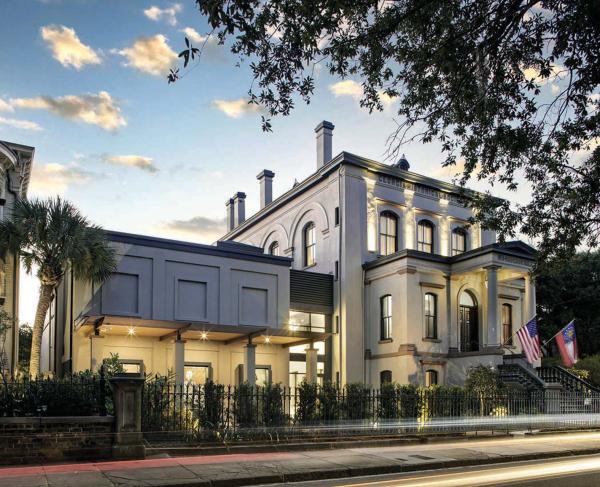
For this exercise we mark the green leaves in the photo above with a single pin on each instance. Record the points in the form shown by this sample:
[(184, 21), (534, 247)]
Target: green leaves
[(510, 88)]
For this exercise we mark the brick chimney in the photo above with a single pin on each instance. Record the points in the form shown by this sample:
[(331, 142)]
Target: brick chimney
[(265, 179), (324, 133)]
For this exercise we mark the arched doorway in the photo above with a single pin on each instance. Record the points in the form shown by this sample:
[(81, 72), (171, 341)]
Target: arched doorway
[(469, 326)]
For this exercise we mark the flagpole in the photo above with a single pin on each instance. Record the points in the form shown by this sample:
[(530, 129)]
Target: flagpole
[(559, 331)]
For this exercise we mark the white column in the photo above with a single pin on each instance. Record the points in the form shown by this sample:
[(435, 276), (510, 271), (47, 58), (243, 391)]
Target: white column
[(97, 352), (493, 328), (452, 335), (311, 364), (529, 299), (250, 363), (179, 357)]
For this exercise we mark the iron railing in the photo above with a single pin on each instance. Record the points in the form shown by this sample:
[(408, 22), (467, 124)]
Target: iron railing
[(215, 410), (568, 380)]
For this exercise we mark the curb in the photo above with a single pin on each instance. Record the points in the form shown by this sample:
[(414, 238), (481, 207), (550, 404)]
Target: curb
[(342, 473)]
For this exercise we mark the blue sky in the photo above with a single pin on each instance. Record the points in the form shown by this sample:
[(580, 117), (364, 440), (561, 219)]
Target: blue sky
[(83, 81)]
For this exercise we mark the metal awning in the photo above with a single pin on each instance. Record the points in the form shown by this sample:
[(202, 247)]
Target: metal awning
[(112, 325)]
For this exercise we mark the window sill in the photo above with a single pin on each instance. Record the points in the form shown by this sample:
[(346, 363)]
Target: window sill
[(433, 340), (386, 340), (309, 266)]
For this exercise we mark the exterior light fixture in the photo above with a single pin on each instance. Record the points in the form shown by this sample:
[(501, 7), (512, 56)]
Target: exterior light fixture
[(204, 336), (131, 331), (267, 340)]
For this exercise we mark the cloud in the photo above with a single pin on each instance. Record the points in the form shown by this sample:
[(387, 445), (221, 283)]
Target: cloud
[(20, 124), (533, 74), (193, 35), (235, 108), (151, 55), (66, 47), (141, 162), (5, 106), (169, 14), (203, 228), (451, 173), (209, 44), (94, 109), (51, 179), (347, 87)]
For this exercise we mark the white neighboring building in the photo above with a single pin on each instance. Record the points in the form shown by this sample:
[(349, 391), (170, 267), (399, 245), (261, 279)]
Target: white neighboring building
[(419, 295), (15, 169)]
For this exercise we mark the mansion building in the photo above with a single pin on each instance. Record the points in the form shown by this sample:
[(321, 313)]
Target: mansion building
[(362, 272)]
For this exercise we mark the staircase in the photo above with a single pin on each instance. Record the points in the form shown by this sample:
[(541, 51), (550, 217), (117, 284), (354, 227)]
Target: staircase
[(517, 374), (570, 382)]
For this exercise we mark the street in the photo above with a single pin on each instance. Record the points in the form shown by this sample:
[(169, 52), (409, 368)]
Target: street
[(574, 472)]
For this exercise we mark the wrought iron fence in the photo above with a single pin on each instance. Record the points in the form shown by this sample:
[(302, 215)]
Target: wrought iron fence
[(77, 395), (215, 410)]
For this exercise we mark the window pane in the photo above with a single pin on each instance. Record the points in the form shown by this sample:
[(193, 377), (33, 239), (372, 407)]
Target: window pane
[(274, 249), (196, 374), (263, 376), (317, 322), (388, 232), (431, 378), (386, 317), (425, 236), (299, 320)]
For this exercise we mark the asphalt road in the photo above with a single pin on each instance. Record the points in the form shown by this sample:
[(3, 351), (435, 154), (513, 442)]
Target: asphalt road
[(581, 471)]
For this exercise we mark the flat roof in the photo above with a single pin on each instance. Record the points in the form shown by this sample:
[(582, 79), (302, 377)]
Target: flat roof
[(232, 250)]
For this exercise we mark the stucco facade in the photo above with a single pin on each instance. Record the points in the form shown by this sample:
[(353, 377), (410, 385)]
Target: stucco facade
[(345, 200)]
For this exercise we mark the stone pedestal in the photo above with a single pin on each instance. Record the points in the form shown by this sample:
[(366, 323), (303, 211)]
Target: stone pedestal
[(97, 352), (250, 363), (127, 392), (179, 355)]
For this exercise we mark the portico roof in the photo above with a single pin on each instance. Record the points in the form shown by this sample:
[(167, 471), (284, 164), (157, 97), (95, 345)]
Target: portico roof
[(515, 252), (113, 325)]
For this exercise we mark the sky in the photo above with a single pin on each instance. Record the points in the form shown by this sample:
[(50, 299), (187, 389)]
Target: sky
[(84, 82)]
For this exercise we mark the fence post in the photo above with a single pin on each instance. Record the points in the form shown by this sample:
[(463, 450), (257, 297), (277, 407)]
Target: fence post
[(127, 393), (102, 394)]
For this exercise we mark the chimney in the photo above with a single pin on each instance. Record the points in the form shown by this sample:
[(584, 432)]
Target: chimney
[(324, 133), (266, 187), (239, 212), (229, 211)]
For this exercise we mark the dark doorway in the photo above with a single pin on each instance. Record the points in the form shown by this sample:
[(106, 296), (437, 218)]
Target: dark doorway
[(469, 326)]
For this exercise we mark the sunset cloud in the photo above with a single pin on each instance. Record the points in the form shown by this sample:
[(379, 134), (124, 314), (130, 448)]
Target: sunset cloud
[(94, 109), (52, 179), (203, 229), (140, 162), (235, 108), (19, 124), (168, 14), (67, 48), (151, 55), (5, 106), (347, 87)]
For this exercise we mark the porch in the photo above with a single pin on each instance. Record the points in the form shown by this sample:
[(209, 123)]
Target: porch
[(192, 352)]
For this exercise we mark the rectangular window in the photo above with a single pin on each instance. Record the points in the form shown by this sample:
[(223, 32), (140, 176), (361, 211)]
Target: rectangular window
[(337, 216), (310, 245), (425, 236), (507, 324), (337, 270), (459, 241), (196, 373), (302, 321), (431, 378), (263, 375), (430, 315), (386, 317)]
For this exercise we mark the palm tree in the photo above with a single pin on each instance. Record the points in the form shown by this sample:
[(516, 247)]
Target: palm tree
[(52, 236)]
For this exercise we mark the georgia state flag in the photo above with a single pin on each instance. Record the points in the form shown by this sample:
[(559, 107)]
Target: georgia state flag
[(567, 344)]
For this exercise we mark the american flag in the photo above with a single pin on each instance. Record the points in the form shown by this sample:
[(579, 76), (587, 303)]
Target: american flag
[(530, 340)]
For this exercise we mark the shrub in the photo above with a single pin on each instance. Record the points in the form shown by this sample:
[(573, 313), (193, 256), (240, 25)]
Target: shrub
[(244, 405), (273, 413), (409, 401), (389, 404), (329, 407), (591, 364), (306, 408), (356, 401), (211, 406), (484, 382)]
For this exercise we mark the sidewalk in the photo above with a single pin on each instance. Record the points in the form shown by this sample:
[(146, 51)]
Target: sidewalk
[(263, 468)]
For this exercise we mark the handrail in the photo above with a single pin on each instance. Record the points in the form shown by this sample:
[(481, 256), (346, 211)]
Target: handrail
[(565, 377), (524, 373)]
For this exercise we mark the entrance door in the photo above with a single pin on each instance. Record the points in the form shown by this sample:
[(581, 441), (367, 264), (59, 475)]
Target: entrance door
[(469, 326)]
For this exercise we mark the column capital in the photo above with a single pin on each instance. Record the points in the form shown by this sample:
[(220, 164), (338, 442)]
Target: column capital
[(492, 267)]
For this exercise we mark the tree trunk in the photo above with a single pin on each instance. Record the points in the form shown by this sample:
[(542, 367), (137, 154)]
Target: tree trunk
[(46, 297)]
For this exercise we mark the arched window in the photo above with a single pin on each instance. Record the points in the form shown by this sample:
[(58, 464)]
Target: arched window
[(386, 317), (310, 244), (425, 236), (431, 378), (459, 241), (430, 303), (385, 377), (507, 324), (388, 233), (274, 248)]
